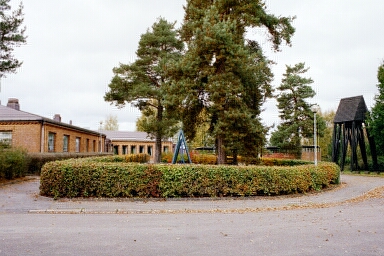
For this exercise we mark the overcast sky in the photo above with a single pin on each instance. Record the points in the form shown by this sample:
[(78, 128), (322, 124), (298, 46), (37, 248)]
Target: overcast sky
[(73, 45)]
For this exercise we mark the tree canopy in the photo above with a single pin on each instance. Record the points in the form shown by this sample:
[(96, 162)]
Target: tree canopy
[(376, 116), (11, 36), (145, 82), (226, 74), (111, 123), (295, 112)]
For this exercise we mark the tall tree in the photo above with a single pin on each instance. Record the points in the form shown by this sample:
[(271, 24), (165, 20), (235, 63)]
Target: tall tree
[(226, 74), (11, 36), (376, 116), (295, 112), (325, 142), (145, 82), (111, 123), (148, 122)]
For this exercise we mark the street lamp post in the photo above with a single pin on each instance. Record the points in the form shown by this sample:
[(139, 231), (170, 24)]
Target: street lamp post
[(314, 109), (101, 138)]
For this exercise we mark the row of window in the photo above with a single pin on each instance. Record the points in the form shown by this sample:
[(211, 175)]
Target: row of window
[(133, 149), (66, 143)]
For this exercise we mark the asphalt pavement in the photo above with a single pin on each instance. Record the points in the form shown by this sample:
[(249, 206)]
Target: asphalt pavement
[(347, 220)]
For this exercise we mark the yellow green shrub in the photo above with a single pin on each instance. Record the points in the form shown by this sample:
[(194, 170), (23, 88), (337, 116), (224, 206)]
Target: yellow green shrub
[(99, 177), (137, 158)]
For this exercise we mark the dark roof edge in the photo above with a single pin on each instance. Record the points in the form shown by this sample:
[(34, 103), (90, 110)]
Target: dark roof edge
[(73, 127)]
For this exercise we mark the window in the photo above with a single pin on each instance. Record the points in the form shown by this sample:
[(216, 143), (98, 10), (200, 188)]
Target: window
[(77, 144), (165, 149), (65, 143), (51, 142), (133, 149), (6, 137), (149, 150), (87, 146), (141, 149), (125, 149)]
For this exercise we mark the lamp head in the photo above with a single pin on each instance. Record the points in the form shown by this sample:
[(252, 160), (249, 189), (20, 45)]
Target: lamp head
[(315, 108)]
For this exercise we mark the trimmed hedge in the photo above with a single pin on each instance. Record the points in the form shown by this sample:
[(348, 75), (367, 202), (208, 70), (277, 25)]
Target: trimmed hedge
[(137, 158), (96, 178), (37, 160), (282, 162), (198, 158)]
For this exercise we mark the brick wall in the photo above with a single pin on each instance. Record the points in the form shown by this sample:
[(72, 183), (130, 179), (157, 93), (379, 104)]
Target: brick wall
[(309, 155), (28, 135), (24, 134), (88, 142)]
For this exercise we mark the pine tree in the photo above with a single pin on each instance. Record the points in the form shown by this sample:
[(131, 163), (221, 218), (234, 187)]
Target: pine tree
[(11, 36), (225, 74), (145, 82), (295, 112)]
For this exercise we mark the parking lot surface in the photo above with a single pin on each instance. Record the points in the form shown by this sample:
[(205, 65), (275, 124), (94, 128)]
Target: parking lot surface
[(347, 220)]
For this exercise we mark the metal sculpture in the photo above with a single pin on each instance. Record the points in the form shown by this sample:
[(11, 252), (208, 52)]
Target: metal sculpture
[(181, 144), (349, 123)]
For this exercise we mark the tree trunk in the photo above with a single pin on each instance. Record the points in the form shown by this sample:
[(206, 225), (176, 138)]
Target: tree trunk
[(234, 155), (158, 149), (220, 150), (159, 134)]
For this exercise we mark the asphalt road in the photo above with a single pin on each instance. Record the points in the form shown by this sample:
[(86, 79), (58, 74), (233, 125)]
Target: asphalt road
[(344, 221)]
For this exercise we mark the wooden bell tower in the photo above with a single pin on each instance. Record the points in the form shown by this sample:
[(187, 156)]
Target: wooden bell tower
[(348, 129)]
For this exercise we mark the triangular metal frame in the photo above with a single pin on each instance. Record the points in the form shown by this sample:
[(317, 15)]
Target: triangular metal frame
[(180, 141)]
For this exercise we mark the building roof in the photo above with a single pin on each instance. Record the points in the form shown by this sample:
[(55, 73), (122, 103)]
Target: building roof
[(351, 109), (8, 114), (127, 136)]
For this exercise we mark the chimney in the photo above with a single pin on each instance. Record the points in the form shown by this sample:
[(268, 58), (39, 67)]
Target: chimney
[(13, 103), (57, 117)]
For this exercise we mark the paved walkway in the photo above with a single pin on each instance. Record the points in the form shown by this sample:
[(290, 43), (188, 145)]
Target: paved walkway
[(24, 197)]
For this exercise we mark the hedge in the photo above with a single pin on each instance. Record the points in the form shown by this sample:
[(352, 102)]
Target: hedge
[(37, 160), (198, 158), (282, 161), (95, 178)]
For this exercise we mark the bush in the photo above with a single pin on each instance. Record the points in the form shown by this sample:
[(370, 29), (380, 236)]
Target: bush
[(37, 160), (88, 178), (282, 162), (137, 158), (13, 163), (98, 178), (206, 158)]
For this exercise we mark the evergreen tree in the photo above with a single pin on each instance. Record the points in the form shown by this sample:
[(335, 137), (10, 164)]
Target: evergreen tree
[(148, 121), (295, 112), (376, 117), (225, 74), (145, 82), (11, 36)]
